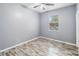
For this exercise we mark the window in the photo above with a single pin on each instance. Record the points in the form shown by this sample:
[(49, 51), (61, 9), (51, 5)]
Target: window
[(53, 23)]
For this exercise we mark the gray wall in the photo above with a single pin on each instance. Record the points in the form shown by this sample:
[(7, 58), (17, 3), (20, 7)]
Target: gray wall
[(77, 25), (17, 25), (67, 24)]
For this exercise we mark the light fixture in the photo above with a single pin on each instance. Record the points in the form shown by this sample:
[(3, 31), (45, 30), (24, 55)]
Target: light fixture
[(43, 5)]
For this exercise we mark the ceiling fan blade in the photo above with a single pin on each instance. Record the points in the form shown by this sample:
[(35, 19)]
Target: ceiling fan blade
[(49, 4), (23, 6), (36, 6), (43, 8)]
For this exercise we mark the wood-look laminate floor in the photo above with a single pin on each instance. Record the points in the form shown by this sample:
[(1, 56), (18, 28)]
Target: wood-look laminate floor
[(42, 47)]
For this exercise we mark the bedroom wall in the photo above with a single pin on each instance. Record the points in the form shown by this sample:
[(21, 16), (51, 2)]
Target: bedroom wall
[(67, 24), (17, 24), (77, 25)]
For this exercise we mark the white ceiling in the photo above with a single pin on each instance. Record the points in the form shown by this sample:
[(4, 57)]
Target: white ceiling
[(48, 8)]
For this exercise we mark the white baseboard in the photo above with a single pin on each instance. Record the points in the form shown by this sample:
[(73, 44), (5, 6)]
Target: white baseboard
[(35, 39), (58, 40), (19, 44)]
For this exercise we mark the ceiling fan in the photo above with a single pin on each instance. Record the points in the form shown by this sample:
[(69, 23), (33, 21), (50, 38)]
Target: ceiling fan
[(43, 5)]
